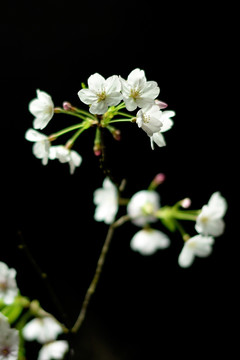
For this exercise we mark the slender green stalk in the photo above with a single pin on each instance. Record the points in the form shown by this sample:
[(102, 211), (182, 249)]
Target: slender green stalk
[(121, 120), (66, 130), (124, 114)]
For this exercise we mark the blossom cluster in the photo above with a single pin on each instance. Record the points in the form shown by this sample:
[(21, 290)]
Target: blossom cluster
[(106, 98), (41, 328), (144, 209)]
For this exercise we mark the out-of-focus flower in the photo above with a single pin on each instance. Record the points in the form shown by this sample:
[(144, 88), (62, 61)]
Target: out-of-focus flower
[(137, 91), (65, 155), (43, 330), (106, 201), (149, 119), (9, 340), (142, 206), (8, 285), (209, 221), (53, 350), (167, 123), (42, 144), (198, 245), (148, 241), (101, 93), (42, 108)]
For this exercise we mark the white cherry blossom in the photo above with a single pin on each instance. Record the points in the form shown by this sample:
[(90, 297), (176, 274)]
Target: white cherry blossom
[(101, 93), (209, 221), (8, 285), (142, 206), (43, 330), (167, 123), (9, 340), (53, 350), (42, 108), (106, 201), (198, 245), (148, 241), (149, 119), (41, 144), (65, 155), (137, 91)]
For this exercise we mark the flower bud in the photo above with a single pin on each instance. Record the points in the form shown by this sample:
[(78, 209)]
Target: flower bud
[(186, 203), (161, 104), (68, 106), (97, 150), (158, 180)]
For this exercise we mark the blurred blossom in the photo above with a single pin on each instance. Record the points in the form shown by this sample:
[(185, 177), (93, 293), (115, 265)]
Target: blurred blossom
[(106, 201), (42, 329), (198, 245), (148, 241), (8, 285), (42, 108), (142, 206), (209, 221)]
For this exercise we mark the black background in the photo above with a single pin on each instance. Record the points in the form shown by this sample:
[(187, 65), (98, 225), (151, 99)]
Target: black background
[(144, 307)]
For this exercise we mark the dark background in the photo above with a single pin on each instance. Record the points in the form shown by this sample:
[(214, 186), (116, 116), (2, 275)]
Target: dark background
[(144, 307)]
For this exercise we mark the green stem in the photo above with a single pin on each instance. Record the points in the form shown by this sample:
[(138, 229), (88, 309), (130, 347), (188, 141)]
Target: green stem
[(124, 114), (121, 120), (66, 130), (180, 228), (184, 215), (85, 113), (61, 111)]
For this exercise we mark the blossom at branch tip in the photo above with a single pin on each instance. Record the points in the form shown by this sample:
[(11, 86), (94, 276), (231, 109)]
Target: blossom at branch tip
[(42, 329), (209, 221), (42, 144), (198, 245), (53, 350), (65, 155), (9, 340), (137, 91), (148, 241), (101, 93), (167, 123), (142, 206), (149, 119), (8, 285), (42, 108), (106, 201)]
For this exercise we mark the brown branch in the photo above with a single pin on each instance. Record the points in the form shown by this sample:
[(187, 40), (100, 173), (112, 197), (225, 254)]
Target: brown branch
[(100, 263)]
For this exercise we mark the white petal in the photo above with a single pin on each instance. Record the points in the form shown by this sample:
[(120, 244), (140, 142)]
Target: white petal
[(113, 84), (87, 96), (96, 82), (218, 203), (186, 257), (158, 139), (33, 135)]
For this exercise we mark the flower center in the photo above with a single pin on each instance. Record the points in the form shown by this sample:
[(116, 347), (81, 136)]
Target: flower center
[(3, 285), (204, 219), (101, 96), (5, 352), (135, 93), (147, 209), (146, 118)]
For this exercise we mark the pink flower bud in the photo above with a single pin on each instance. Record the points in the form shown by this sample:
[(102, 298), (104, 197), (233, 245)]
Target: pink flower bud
[(97, 150), (67, 106), (161, 104), (186, 203), (159, 178)]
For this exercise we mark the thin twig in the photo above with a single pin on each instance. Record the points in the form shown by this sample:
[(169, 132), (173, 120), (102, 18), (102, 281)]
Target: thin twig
[(43, 276), (100, 263)]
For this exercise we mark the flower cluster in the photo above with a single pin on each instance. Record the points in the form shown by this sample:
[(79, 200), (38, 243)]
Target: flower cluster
[(106, 99), (42, 327), (144, 209)]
